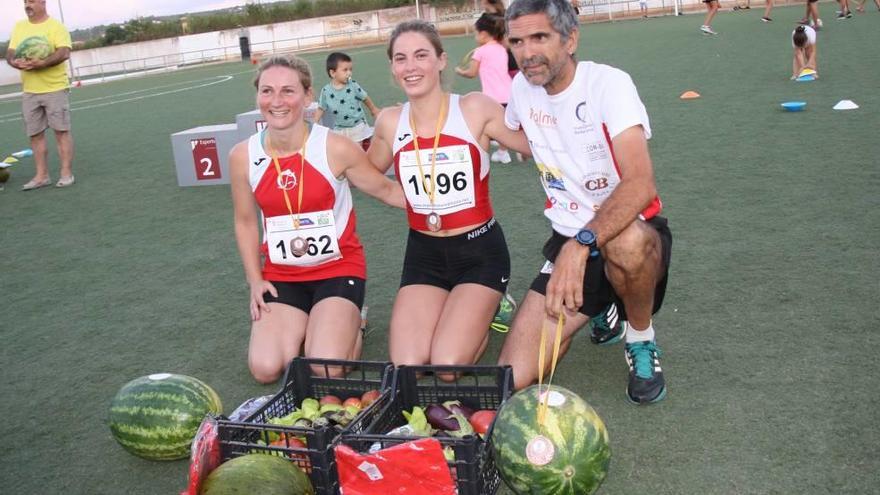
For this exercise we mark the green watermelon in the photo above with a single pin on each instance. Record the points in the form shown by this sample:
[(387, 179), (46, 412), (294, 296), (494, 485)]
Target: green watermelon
[(257, 474), (568, 454), (34, 48), (157, 416)]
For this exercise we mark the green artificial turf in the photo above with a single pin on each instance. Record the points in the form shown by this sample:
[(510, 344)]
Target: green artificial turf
[(769, 323)]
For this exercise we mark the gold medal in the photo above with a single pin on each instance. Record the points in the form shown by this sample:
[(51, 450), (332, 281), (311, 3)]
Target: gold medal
[(299, 246), (433, 221)]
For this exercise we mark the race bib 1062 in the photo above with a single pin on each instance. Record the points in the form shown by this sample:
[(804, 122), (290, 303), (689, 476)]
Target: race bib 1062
[(317, 229)]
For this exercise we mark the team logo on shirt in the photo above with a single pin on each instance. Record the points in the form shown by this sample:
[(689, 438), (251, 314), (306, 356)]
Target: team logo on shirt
[(260, 161), (286, 180)]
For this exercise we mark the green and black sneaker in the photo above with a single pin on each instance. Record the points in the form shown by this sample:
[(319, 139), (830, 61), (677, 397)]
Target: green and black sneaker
[(646, 384), (504, 314), (607, 328)]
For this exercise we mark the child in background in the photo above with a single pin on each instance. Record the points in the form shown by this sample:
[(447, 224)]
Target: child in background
[(803, 40), (343, 98), (489, 61)]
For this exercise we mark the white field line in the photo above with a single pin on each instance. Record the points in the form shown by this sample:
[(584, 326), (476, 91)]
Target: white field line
[(13, 117)]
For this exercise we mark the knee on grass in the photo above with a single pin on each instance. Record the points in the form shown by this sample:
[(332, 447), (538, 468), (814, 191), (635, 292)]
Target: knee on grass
[(265, 371)]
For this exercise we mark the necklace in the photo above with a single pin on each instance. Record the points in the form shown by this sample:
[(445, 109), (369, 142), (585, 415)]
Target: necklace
[(433, 221), (298, 246)]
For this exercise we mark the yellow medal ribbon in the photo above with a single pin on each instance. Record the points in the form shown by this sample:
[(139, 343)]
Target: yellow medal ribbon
[(412, 124), (557, 342), (302, 178)]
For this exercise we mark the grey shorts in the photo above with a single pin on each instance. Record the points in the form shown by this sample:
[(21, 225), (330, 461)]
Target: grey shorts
[(43, 110)]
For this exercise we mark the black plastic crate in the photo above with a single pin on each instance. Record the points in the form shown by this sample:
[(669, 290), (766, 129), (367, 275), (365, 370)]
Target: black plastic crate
[(310, 378), (478, 387)]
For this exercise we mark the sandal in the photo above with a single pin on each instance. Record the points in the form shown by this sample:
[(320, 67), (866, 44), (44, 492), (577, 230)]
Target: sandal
[(65, 181), (36, 184)]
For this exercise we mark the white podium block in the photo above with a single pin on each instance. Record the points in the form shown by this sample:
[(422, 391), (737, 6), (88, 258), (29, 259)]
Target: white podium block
[(249, 123), (201, 154)]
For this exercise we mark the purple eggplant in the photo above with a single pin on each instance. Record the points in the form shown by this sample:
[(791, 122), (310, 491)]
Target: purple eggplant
[(456, 407), (441, 418)]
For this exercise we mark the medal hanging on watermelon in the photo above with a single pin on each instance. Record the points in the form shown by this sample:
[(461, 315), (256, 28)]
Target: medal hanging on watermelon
[(545, 395), (429, 182), (299, 246)]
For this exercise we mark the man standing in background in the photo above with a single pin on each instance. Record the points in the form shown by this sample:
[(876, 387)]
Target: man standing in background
[(38, 47)]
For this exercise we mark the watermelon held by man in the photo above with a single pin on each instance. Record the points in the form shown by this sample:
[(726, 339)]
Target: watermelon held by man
[(157, 416), (258, 474), (566, 454), (34, 48)]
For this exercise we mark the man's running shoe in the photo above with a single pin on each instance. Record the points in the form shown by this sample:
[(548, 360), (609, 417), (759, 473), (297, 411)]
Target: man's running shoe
[(607, 328), (646, 384), (504, 314)]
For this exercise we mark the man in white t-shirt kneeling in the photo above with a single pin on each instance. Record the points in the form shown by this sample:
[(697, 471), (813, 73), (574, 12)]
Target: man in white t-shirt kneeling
[(609, 248)]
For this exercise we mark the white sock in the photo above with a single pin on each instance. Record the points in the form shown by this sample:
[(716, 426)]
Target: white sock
[(633, 335)]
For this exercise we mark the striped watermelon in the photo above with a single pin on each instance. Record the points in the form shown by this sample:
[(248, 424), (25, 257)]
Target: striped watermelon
[(257, 474), (157, 416), (568, 454)]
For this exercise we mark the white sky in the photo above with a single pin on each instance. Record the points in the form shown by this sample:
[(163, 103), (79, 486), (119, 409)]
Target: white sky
[(87, 13)]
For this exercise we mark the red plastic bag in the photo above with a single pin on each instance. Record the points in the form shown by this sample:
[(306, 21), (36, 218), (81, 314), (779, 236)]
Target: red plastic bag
[(204, 455), (411, 468)]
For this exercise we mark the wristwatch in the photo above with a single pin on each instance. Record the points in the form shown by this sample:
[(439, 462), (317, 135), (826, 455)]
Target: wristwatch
[(586, 237)]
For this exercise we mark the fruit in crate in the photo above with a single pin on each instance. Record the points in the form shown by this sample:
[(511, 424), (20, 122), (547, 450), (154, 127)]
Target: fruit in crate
[(567, 453), (257, 474), (157, 416), (330, 399), (369, 397), (481, 420)]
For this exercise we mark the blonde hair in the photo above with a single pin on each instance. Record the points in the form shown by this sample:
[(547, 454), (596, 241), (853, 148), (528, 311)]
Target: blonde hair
[(293, 63)]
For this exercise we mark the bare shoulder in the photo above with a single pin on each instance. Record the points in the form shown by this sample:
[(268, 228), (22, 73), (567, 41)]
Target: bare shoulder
[(386, 121), (478, 104), (239, 152)]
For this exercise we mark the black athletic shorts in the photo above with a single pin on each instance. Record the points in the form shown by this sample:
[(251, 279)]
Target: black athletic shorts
[(479, 256), (598, 292), (304, 295)]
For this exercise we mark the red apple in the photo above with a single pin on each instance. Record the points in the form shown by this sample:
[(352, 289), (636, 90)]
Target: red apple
[(330, 399), (352, 401), (369, 397)]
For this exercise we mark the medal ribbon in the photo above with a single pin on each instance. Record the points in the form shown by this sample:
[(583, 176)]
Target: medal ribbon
[(412, 124), (557, 342), (301, 181)]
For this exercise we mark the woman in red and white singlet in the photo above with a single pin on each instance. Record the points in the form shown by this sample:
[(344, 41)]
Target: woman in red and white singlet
[(457, 264), (308, 291)]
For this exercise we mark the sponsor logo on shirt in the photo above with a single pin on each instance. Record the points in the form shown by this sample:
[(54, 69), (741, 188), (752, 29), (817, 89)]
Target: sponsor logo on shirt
[(580, 111), (542, 118), (551, 177), (598, 184)]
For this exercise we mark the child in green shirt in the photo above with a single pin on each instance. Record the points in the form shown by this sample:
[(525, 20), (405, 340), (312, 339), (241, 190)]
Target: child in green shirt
[(344, 98)]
